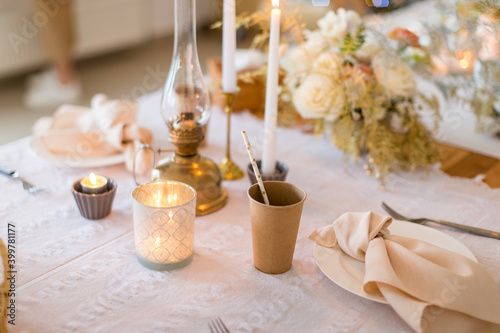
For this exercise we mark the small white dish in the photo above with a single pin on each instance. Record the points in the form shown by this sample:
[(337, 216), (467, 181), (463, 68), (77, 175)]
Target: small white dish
[(74, 161), (349, 273)]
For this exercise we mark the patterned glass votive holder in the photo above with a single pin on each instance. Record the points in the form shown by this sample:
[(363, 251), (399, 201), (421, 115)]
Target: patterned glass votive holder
[(164, 214), (94, 206)]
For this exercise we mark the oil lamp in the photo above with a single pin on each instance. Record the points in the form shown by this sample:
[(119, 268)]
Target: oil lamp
[(186, 109)]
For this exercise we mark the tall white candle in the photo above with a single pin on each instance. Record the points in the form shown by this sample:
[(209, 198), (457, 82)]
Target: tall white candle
[(271, 114), (229, 47)]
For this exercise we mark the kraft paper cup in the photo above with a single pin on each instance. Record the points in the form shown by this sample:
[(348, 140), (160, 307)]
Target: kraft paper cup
[(275, 226)]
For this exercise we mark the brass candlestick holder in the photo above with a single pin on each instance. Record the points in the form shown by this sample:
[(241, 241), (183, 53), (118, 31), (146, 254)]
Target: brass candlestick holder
[(229, 169)]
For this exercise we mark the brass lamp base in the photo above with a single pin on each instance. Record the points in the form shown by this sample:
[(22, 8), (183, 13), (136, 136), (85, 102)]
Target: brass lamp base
[(199, 172), (230, 170)]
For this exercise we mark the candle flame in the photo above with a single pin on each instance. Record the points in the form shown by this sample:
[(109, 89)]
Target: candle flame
[(169, 199), (158, 240), (464, 63), (276, 3), (92, 179), (465, 59)]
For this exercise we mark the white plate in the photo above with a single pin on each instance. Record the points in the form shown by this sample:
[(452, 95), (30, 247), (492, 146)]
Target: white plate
[(349, 273), (74, 161)]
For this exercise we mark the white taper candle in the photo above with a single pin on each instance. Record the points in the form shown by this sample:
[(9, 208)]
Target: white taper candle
[(229, 46), (271, 111)]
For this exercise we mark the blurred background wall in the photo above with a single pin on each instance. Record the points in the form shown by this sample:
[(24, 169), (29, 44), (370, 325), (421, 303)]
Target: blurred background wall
[(101, 26)]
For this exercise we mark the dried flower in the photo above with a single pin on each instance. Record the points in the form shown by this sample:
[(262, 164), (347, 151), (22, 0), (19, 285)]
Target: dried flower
[(405, 37)]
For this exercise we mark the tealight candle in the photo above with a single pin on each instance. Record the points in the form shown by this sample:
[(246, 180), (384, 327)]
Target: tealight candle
[(94, 184), (91, 206)]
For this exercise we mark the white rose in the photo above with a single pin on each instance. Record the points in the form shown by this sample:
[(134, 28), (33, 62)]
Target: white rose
[(328, 63), (318, 97), (336, 26), (369, 49), (395, 75), (316, 41), (297, 59)]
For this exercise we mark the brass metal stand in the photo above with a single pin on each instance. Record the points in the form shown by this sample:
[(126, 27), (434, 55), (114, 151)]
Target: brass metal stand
[(189, 167), (229, 169)]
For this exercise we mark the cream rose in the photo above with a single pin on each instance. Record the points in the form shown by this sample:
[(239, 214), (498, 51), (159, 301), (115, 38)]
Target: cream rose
[(298, 59), (335, 26), (395, 75), (318, 97), (369, 49), (315, 41), (328, 63)]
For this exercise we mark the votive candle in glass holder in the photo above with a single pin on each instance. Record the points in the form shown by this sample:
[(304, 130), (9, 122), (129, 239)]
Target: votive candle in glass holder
[(164, 214)]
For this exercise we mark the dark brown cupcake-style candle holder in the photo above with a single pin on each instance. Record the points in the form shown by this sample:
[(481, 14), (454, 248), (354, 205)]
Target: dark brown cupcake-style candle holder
[(94, 206), (280, 175)]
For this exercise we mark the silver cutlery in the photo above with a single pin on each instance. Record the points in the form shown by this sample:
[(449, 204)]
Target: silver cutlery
[(217, 326), (472, 230), (14, 174)]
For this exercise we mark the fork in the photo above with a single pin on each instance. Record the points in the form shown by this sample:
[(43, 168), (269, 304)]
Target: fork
[(472, 230), (217, 326), (28, 187)]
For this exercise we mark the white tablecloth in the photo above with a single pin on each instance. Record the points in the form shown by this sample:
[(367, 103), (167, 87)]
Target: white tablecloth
[(77, 275)]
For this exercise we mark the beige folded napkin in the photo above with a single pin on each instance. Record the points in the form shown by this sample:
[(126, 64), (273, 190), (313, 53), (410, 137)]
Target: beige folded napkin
[(432, 289), (106, 128)]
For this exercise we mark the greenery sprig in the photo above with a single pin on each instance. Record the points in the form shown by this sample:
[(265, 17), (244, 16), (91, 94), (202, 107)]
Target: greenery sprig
[(352, 44)]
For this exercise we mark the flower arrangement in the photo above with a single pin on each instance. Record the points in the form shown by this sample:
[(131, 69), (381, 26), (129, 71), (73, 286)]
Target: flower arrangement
[(357, 86)]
